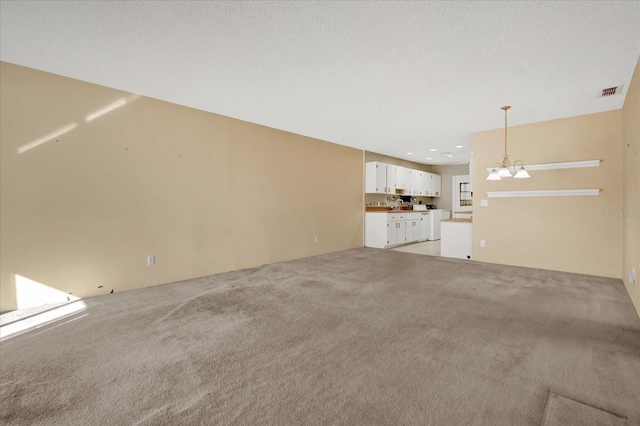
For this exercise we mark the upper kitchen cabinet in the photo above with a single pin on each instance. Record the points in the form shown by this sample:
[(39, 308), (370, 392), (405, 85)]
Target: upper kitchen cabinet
[(420, 182), (416, 177), (436, 183), (380, 178), (403, 180), (433, 185)]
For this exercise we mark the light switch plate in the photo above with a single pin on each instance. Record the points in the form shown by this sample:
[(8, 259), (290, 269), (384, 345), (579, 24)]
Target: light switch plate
[(484, 203)]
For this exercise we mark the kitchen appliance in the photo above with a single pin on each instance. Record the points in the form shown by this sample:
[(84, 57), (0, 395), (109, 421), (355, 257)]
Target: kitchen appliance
[(435, 216), (419, 207), (425, 225)]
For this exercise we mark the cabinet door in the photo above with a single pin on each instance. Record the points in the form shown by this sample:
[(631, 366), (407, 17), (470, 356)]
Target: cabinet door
[(390, 179), (437, 185), (427, 184), (416, 182), (406, 179), (375, 178), (408, 231), (392, 233), (411, 231), (402, 232), (422, 180), (403, 178)]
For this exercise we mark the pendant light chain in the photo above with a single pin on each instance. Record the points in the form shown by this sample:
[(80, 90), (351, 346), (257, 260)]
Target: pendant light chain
[(505, 132), (506, 168)]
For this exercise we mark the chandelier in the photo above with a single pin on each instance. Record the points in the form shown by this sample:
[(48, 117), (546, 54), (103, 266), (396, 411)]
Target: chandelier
[(506, 169)]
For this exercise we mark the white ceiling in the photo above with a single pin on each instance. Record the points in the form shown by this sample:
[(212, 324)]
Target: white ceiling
[(388, 77)]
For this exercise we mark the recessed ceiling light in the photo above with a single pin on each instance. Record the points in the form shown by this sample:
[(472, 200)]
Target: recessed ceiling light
[(449, 155), (433, 150), (429, 158), (459, 146), (409, 153)]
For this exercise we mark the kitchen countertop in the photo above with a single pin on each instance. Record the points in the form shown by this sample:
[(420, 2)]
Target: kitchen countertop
[(458, 220), (377, 210)]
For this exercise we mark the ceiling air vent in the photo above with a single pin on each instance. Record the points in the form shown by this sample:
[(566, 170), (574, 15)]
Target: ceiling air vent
[(611, 91)]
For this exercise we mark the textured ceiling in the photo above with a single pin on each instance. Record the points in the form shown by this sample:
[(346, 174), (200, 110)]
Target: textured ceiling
[(389, 77)]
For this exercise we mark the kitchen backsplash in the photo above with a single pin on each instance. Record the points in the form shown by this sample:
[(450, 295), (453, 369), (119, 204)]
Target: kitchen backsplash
[(386, 200)]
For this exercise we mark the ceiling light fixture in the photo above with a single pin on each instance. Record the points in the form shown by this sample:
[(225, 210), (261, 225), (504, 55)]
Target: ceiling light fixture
[(429, 158), (459, 146), (409, 153), (433, 150), (506, 169)]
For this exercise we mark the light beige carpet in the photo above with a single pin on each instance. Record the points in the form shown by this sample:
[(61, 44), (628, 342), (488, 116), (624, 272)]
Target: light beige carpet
[(361, 337)]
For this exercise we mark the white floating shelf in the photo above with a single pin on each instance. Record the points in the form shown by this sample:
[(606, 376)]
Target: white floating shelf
[(554, 166), (544, 193)]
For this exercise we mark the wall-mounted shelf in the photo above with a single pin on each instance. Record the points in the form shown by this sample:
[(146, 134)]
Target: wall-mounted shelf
[(555, 166), (544, 193)]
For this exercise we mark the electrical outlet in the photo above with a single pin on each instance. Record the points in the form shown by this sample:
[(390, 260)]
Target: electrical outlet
[(151, 260), (484, 203), (483, 243), (315, 239), (632, 276)]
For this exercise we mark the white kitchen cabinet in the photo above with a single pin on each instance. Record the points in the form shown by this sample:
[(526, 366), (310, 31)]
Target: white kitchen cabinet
[(391, 179), (435, 216), (403, 180), (396, 232), (419, 183), (436, 184), (380, 178), (416, 175), (428, 184), (383, 230), (412, 227), (425, 226)]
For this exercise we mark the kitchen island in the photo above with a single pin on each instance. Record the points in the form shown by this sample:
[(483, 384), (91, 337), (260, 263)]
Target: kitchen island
[(455, 238)]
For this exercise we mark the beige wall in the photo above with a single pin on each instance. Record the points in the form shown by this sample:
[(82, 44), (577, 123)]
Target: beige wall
[(202, 192), (571, 234), (631, 218), (445, 201)]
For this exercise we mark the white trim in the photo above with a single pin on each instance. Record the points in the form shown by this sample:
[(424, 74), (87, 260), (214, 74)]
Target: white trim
[(553, 166), (544, 193)]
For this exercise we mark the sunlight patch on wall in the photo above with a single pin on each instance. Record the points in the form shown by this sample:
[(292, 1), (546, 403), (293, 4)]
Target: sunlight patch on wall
[(56, 133), (30, 293), (108, 108)]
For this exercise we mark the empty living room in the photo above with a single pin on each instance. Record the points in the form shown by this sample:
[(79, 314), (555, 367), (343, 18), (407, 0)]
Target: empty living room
[(320, 213)]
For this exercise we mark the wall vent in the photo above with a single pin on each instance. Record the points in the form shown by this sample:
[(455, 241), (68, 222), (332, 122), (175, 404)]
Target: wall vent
[(611, 91)]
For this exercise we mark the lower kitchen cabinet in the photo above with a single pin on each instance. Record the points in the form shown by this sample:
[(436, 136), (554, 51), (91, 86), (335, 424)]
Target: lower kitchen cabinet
[(396, 232), (383, 230), (412, 227)]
